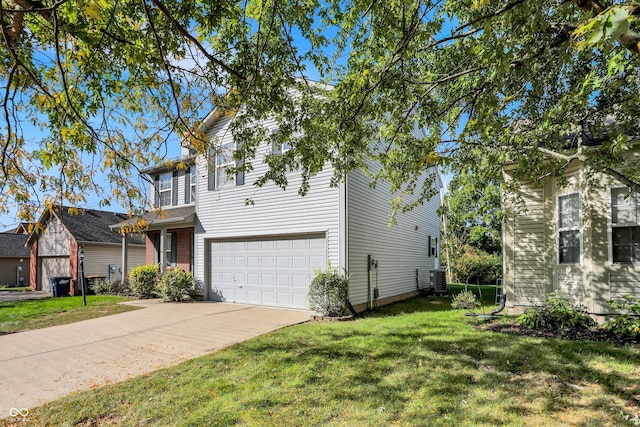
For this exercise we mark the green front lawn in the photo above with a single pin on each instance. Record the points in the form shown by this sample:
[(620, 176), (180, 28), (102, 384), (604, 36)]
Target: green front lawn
[(414, 363), (19, 316)]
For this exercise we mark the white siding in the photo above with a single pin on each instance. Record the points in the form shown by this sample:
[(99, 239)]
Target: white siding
[(54, 241), (97, 259), (528, 282), (223, 213), (399, 249)]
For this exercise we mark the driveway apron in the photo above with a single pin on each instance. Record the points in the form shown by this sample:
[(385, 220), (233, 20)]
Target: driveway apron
[(45, 364)]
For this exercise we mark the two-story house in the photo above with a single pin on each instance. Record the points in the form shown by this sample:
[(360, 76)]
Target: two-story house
[(267, 252)]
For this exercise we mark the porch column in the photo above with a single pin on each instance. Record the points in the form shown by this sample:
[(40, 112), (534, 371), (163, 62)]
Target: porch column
[(125, 256), (162, 256)]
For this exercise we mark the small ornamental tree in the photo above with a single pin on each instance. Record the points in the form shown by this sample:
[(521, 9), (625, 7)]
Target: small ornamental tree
[(329, 292), (176, 285), (143, 280)]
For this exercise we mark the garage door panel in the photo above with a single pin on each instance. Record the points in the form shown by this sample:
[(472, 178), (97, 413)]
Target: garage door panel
[(283, 280), (300, 244), (268, 297), (268, 262), (300, 281), (283, 244), (299, 299), (284, 298), (300, 262), (266, 272), (316, 262)]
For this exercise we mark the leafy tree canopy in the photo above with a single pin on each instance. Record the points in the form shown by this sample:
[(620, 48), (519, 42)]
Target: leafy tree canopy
[(472, 208), (109, 83)]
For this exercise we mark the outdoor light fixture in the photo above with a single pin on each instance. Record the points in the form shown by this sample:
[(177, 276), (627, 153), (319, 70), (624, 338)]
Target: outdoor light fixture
[(81, 259)]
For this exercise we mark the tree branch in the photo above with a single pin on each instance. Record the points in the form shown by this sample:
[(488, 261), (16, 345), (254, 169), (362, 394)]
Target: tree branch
[(195, 41)]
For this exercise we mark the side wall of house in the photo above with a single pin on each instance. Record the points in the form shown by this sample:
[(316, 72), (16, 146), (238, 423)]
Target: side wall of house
[(9, 274), (246, 211), (400, 251), (607, 280), (530, 243), (98, 258), (532, 267)]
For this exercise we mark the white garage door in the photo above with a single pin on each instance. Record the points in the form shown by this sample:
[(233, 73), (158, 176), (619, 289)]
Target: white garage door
[(274, 272), (52, 267)]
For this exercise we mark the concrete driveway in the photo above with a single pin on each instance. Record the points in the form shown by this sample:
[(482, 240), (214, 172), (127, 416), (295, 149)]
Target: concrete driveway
[(46, 364), (8, 296)]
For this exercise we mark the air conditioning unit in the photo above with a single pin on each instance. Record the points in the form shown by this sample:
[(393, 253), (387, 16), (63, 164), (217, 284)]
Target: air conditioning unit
[(438, 281)]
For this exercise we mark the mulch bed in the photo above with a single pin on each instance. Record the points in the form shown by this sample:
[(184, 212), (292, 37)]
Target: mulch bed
[(591, 334)]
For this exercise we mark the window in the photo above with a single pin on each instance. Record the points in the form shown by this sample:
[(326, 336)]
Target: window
[(224, 160), (192, 186), (569, 229), (164, 189), (220, 159), (625, 226), (171, 249)]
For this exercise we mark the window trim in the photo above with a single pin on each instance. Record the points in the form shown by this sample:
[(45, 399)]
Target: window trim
[(193, 188), (611, 225), (578, 228), (218, 163), (169, 190)]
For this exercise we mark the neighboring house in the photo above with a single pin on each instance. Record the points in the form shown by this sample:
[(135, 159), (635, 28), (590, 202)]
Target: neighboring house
[(578, 234), (14, 260), (22, 228), (54, 246), (267, 252)]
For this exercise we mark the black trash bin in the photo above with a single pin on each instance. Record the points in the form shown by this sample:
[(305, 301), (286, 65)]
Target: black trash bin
[(60, 286), (89, 281)]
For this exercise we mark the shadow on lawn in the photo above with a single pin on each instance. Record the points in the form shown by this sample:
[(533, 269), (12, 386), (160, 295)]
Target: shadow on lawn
[(435, 364)]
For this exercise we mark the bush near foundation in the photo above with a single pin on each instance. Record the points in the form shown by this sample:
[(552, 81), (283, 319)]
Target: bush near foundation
[(557, 314), (625, 324), (144, 280), (329, 292), (176, 285)]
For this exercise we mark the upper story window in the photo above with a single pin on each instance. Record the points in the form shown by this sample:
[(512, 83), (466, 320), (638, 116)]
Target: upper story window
[(625, 226), (192, 184), (190, 188), (165, 188), (569, 235), (280, 148), (221, 158)]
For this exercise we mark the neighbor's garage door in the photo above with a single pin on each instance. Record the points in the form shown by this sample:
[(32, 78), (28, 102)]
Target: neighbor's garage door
[(275, 272), (52, 267)]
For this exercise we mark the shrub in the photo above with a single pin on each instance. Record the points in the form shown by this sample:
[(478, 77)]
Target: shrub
[(465, 300), (176, 285), (557, 314), (119, 287), (473, 262), (329, 292), (143, 280), (626, 324)]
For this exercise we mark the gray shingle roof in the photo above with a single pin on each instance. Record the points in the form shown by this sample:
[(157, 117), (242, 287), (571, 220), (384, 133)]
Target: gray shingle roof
[(92, 225), (12, 245)]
